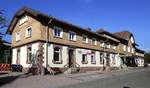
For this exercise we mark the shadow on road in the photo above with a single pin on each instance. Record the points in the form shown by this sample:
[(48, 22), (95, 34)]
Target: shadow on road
[(126, 87), (9, 79)]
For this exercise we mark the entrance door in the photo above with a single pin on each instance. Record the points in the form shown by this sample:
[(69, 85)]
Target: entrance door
[(71, 57)]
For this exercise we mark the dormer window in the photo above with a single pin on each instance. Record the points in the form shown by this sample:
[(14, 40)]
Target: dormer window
[(23, 19), (94, 41), (72, 36), (17, 36), (28, 32), (58, 32)]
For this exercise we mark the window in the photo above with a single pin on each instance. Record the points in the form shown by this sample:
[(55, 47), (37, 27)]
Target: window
[(29, 32), (132, 50), (114, 47), (18, 56), (58, 32), (107, 45), (17, 36), (94, 42), (93, 59), (128, 49), (23, 19), (29, 55), (72, 36), (85, 39), (84, 59), (57, 55), (124, 48), (102, 44), (113, 59), (101, 58)]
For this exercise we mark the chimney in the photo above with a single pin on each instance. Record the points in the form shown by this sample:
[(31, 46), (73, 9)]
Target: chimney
[(89, 29)]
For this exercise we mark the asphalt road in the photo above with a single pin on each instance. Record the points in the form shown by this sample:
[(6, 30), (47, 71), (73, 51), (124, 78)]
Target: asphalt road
[(140, 79)]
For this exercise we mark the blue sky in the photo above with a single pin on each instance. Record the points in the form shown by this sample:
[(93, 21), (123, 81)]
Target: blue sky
[(113, 15)]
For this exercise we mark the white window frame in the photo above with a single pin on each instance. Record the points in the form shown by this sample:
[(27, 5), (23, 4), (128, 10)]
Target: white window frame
[(114, 47), (60, 55), (17, 36), (55, 28), (94, 59), (129, 49), (27, 32), (132, 50), (86, 40), (94, 41), (124, 47), (108, 45), (102, 44), (71, 36), (23, 19)]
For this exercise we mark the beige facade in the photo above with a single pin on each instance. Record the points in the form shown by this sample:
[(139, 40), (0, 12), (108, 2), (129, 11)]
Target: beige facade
[(42, 30)]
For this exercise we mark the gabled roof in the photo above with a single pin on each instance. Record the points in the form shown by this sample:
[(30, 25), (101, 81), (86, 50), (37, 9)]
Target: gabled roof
[(123, 34), (37, 14), (126, 35)]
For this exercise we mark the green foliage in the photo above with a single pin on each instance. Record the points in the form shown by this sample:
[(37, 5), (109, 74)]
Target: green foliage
[(147, 57), (2, 19)]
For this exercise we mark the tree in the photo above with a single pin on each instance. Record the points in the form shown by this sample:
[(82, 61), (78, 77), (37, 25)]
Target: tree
[(2, 23), (147, 57)]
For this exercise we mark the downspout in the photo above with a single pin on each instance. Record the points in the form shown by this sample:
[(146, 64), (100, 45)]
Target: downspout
[(47, 40)]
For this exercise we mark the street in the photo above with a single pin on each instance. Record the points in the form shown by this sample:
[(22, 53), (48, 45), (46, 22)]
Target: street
[(139, 79), (131, 78)]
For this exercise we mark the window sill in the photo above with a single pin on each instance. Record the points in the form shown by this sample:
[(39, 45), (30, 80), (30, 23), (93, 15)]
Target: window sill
[(84, 62), (72, 40), (57, 37), (93, 62), (57, 62), (28, 37), (17, 40)]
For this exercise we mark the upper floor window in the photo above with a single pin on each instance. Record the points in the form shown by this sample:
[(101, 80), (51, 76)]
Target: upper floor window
[(17, 36), (29, 54), (85, 39), (94, 41), (23, 19), (132, 50), (102, 44), (28, 32), (108, 45), (124, 48), (114, 47), (128, 49), (72, 36), (58, 32)]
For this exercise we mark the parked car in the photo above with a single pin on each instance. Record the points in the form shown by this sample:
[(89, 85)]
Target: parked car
[(16, 67)]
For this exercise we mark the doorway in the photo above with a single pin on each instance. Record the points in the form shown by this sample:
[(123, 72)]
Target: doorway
[(71, 57)]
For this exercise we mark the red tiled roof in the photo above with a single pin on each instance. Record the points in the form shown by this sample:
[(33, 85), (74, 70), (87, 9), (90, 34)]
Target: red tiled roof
[(124, 35)]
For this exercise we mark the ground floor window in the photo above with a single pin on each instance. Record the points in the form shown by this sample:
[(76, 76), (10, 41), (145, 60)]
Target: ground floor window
[(29, 55), (84, 59), (18, 56), (101, 58), (113, 59), (93, 58), (57, 55)]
